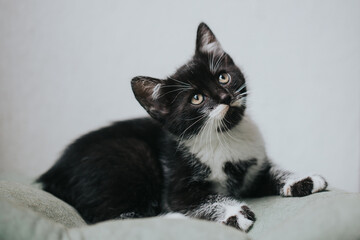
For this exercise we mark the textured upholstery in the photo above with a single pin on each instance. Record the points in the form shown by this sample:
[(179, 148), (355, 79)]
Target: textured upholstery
[(30, 213)]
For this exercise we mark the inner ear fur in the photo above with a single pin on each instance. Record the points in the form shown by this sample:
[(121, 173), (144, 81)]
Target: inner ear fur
[(147, 92), (206, 41)]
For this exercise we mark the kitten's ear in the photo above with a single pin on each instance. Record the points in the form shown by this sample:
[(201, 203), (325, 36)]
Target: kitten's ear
[(206, 41), (147, 90)]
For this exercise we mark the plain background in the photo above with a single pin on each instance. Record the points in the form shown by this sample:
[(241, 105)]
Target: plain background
[(66, 66)]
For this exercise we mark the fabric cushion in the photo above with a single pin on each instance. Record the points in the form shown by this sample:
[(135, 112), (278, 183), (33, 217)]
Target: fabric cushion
[(326, 215), (41, 202), (21, 222), (30, 213)]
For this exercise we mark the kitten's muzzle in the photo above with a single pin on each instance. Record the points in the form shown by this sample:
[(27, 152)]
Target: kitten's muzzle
[(225, 98), (219, 112), (238, 102)]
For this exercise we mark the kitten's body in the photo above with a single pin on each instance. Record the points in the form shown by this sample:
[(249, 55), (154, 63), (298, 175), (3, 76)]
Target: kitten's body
[(199, 157)]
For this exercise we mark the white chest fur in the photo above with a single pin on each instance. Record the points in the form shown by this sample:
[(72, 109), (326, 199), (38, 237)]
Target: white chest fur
[(243, 142)]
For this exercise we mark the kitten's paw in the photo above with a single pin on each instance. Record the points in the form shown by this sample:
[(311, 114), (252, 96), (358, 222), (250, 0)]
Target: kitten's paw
[(240, 217), (300, 187)]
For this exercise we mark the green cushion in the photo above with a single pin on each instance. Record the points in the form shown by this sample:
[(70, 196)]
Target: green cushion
[(30, 213), (41, 202), (326, 215), (158, 228)]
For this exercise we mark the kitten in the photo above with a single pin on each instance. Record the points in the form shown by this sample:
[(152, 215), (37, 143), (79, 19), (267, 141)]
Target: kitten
[(197, 155)]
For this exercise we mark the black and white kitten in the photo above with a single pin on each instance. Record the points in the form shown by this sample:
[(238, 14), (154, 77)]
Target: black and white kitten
[(198, 155)]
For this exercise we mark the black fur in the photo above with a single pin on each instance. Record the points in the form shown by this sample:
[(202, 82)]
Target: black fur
[(112, 171), (141, 167), (302, 188), (232, 221)]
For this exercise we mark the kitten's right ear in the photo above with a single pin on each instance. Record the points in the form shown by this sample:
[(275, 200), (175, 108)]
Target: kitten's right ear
[(147, 91), (206, 41)]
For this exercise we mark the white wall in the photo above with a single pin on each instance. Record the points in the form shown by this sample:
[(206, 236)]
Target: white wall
[(65, 69)]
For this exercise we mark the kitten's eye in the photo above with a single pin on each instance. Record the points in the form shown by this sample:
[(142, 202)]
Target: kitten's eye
[(224, 78), (197, 99)]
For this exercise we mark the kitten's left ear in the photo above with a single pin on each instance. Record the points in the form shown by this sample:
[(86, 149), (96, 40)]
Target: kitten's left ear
[(206, 41), (147, 90)]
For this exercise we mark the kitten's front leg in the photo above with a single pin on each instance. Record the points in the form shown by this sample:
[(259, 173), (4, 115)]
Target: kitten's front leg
[(224, 210), (289, 185), (196, 200)]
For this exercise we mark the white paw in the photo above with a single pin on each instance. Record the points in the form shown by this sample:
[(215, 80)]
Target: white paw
[(320, 183), (238, 216), (298, 187), (174, 215)]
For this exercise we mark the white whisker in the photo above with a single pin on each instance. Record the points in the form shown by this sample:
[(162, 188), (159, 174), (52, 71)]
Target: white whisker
[(183, 83), (223, 146), (241, 88), (162, 95), (177, 96), (181, 136), (187, 65), (173, 86), (247, 92), (228, 132), (219, 61)]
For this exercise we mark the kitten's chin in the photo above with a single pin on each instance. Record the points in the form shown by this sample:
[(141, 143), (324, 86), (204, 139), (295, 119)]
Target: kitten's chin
[(232, 118)]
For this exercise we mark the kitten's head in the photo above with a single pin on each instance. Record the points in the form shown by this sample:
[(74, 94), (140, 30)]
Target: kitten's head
[(209, 91)]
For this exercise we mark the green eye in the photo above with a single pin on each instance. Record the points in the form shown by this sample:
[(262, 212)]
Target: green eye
[(224, 78), (197, 99)]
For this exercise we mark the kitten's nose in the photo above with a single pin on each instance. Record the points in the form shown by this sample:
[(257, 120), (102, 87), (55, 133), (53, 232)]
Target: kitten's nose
[(224, 98)]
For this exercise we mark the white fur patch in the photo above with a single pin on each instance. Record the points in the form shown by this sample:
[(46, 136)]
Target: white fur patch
[(222, 209), (156, 91), (319, 183), (286, 191), (242, 221), (242, 142), (219, 112), (211, 47)]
